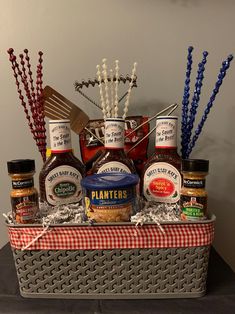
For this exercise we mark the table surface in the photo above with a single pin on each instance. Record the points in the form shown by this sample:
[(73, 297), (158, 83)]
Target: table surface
[(220, 296)]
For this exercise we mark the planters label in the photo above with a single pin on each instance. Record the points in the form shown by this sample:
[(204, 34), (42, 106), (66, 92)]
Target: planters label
[(110, 205), (111, 197)]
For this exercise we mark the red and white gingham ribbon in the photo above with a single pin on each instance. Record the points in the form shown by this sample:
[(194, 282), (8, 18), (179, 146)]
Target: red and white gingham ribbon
[(112, 237)]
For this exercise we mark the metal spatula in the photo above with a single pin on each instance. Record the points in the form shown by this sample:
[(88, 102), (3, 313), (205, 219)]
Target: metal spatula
[(56, 106)]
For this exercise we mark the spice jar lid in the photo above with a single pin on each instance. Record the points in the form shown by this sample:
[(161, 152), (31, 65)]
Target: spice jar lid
[(21, 166), (109, 180), (195, 165)]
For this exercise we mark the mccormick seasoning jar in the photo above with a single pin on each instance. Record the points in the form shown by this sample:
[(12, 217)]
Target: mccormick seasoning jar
[(193, 197), (24, 196), (60, 177), (113, 158), (110, 197), (161, 178)]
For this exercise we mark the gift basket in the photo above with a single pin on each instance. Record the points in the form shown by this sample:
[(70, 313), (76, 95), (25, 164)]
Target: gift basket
[(117, 224), (125, 262)]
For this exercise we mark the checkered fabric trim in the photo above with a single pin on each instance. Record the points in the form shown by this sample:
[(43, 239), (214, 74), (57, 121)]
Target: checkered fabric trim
[(112, 237)]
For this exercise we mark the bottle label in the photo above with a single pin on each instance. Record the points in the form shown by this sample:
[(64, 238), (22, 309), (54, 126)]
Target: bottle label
[(63, 185), (21, 184), (193, 207), (114, 166), (162, 183), (60, 136), (194, 184), (24, 208), (114, 133), (166, 132)]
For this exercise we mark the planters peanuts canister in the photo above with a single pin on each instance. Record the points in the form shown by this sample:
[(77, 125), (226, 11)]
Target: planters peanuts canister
[(110, 197)]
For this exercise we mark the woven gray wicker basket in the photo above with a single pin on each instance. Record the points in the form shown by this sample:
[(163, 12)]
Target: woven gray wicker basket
[(113, 273)]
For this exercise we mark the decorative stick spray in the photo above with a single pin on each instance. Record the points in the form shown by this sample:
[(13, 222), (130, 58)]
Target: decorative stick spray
[(116, 89), (39, 85), (101, 91), (129, 91), (33, 95), (222, 73), (21, 97), (185, 102), (112, 92), (24, 80), (106, 87), (35, 121), (195, 100), (27, 58)]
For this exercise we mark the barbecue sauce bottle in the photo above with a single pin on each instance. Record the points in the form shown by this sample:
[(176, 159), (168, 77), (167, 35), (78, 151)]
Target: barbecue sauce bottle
[(113, 157), (60, 177), (161, 178)]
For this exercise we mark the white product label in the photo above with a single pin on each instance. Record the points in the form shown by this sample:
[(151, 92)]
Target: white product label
[(162, 183), (60, 136), (63, 185), (166, 132), (114, 133), (114, 166)]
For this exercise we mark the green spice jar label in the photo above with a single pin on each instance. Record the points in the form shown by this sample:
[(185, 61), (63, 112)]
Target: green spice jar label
[(63, 185), (162, 183), (193, 207)]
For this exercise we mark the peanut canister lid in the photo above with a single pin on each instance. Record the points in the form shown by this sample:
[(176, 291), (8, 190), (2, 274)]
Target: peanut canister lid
[(110, 180)]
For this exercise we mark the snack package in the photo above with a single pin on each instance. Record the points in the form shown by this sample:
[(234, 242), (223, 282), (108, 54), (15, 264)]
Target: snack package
[(90, 146)]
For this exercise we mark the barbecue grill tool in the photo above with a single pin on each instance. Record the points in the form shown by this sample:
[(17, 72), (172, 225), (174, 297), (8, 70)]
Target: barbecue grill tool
[(56, 106)]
